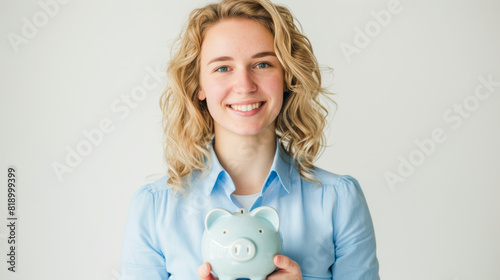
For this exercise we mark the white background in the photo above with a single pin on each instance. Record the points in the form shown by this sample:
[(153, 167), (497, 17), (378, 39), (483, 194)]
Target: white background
[(442, 222)]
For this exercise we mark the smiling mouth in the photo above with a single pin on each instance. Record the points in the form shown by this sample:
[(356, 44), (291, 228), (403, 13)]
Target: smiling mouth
[(246, 108)]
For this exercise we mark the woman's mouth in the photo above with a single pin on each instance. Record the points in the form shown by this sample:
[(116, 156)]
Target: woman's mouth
[(246, 108)]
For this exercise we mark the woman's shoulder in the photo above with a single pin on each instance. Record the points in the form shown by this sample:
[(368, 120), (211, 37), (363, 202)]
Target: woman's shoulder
[(155, 187), (153, 195), (332, 180), (342, 191)]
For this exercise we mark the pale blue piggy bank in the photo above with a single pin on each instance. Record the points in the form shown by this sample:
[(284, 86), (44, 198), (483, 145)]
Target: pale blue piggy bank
[(241, 244)]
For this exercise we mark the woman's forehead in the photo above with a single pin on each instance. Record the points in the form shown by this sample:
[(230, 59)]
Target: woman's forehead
[(236, 37)]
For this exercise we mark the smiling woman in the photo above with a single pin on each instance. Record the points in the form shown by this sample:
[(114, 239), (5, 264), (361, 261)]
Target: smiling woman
[(243, 125), (247, 96)]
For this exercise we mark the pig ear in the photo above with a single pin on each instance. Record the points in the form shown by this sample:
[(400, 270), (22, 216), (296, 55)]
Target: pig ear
[(214, 215), (269, 214)]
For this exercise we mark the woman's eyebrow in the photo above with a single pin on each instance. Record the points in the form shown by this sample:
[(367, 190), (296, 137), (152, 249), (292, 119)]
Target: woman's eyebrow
[(220, 58), (263, 54), (228, 58)]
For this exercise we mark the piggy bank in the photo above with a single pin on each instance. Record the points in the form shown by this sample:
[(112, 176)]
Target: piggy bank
[(241, 244)]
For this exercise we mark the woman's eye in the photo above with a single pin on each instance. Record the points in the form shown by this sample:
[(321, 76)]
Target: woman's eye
[(263, 65), (222, 69)]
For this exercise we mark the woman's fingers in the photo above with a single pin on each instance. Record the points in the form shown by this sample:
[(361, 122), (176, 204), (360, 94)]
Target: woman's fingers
[(204, 272), (287, 269)]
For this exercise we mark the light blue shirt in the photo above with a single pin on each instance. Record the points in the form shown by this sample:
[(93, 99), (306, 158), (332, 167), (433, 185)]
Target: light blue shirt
[(326, 229)]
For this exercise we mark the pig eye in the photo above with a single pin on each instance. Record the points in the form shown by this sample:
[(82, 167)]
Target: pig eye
[(261, 231)]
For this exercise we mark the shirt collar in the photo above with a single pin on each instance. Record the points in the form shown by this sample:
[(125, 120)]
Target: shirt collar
[(282, 166), (215, 175)]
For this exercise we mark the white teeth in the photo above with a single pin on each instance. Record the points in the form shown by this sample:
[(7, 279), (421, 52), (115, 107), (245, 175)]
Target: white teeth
[(246, 108)]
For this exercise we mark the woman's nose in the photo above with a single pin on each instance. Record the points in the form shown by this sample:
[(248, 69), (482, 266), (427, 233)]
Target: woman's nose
[(244, 82)]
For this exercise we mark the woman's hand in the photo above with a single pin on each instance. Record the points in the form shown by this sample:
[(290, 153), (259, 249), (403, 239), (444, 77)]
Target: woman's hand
[(204, 272), (287, 269)]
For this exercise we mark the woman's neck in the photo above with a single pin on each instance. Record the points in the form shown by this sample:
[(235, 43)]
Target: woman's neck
[(247, 159)]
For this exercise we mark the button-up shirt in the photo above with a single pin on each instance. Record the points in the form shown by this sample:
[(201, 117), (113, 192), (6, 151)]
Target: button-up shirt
[(326, 228)]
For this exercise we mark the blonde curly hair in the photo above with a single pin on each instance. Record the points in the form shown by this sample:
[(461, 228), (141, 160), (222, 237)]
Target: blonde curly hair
[(188, 126)]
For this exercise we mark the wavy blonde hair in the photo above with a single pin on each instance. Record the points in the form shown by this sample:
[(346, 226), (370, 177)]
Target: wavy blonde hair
[(188, 126)]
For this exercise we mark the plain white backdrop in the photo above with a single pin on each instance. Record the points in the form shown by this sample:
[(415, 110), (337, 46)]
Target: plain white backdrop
[(417, 124)]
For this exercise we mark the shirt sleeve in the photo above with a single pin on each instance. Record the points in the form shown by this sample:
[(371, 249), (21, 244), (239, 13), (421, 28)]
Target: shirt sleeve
[(141, 257), (354, 236)]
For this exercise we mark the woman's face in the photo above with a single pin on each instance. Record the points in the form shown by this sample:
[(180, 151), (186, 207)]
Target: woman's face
[(240, 77)]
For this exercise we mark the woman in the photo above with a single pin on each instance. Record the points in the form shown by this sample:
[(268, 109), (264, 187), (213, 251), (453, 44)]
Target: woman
[(243, 125)]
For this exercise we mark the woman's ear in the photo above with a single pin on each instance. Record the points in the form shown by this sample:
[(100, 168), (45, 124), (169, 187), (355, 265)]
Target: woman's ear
[(201, 95)]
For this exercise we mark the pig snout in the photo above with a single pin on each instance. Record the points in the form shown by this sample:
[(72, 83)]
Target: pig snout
[(242, 250)]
